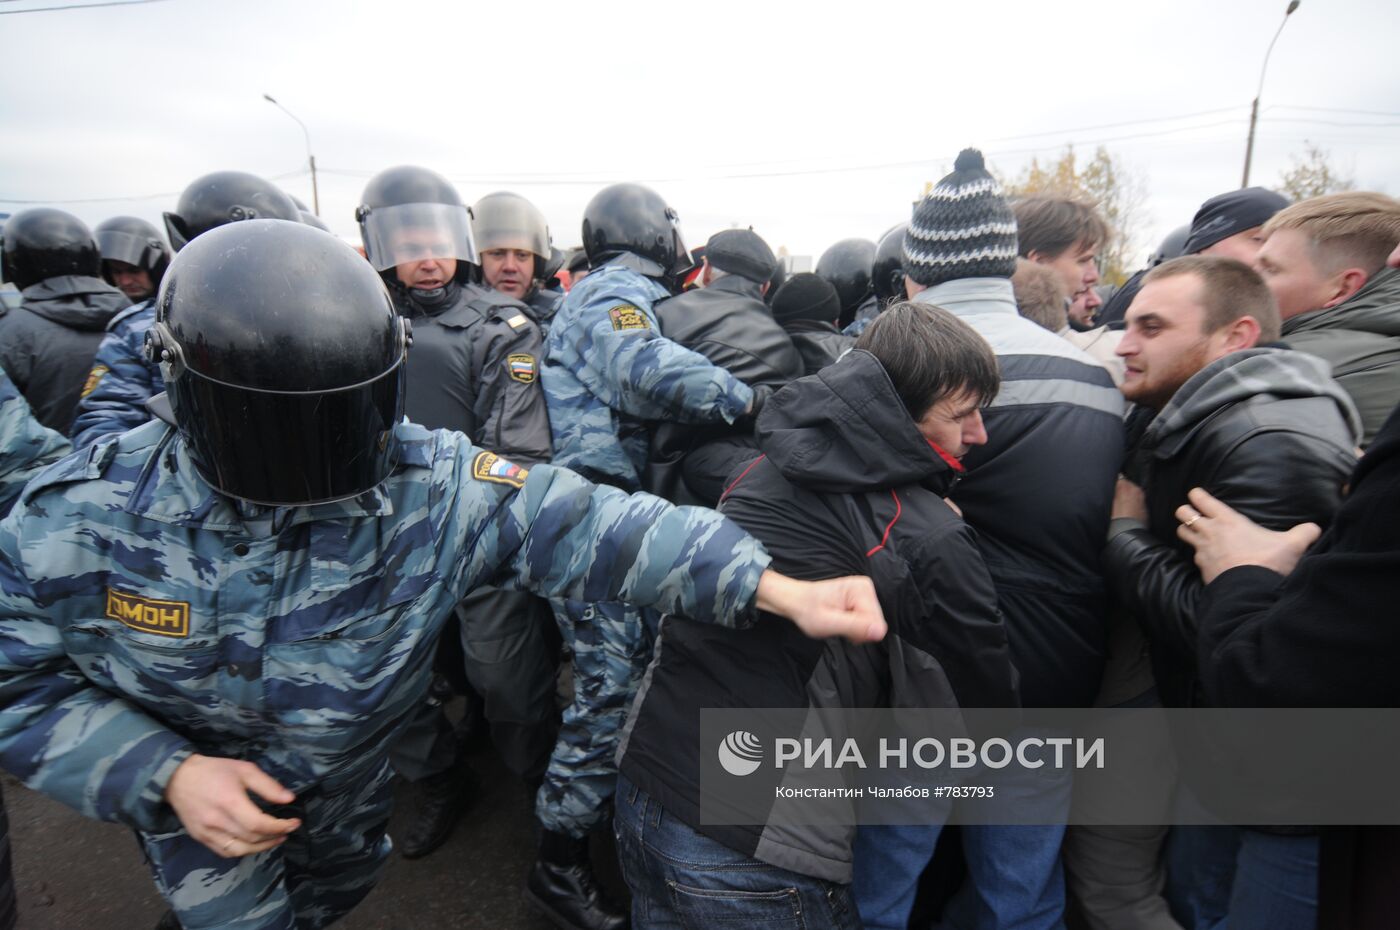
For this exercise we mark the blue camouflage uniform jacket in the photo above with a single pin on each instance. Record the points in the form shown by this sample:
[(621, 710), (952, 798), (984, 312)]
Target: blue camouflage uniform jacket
[(144, 617), (608, 370), (121, 380), (26, 445)]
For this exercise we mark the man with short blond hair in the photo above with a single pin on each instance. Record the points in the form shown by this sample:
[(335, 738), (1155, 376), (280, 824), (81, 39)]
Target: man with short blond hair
[(1324, 261)]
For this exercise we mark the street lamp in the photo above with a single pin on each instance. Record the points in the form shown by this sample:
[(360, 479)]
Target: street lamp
[(1254, 113), (315, 193)]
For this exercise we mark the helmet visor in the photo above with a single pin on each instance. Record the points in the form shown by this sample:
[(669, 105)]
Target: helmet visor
[(290, 448), (415, 232), (118, 246), (510, 224)]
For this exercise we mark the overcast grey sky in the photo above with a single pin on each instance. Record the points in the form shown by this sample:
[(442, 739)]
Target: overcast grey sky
[(811, 122)]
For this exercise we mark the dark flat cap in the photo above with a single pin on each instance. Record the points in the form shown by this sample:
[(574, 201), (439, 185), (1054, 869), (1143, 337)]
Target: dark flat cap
[(742, 252)]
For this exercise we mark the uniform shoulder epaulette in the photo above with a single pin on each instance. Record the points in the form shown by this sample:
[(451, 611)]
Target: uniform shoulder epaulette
[(128, 313), (416, 444), (85, 465)]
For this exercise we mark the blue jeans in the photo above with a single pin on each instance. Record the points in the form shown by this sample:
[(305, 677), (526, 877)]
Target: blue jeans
[(682, 879), (888, 863), (1230, 878), (1275, 883), (1014, 880)]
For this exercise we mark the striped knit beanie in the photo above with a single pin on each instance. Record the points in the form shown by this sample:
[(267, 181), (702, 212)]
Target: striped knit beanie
[(964, 228)]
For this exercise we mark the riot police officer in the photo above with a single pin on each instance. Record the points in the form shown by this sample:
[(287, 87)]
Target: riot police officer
[(475, 370), (134, 256), (47, 346), (26, 448), (245, 600), (512, 239), (608, 370), (122, 379)]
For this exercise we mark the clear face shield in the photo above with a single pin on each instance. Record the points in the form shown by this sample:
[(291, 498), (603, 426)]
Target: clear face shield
[(415, 232), (507, 222)]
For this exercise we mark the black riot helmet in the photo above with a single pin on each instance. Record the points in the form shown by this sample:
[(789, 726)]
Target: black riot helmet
[(887, 274), (311, 219), (847, 266), (632, 220), (133, 241), (283, 359), (226, 197), (409, 214), (46, 243), (1173, 246), (553, 266)]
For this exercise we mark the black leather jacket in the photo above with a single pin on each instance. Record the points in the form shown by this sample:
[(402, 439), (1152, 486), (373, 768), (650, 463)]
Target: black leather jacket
[(728, 323), (1267, 432), (818, 343)]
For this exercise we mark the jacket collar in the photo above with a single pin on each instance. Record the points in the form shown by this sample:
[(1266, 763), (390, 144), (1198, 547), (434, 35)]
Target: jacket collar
[(971, 295), (736, 284), (169, 489)]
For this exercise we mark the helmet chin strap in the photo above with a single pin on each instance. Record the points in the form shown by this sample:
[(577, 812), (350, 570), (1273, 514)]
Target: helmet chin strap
[(431, 300)]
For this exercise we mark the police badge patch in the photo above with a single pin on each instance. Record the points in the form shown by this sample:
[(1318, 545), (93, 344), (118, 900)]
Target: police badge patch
[(626, 316), (93, 377), (488, 466), (522, 368)]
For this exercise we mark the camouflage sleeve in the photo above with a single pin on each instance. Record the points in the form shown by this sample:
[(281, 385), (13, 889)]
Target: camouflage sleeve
[(622, 358), (548, 531), (121, 380), (61, 734), (26, 445), (510, 403)]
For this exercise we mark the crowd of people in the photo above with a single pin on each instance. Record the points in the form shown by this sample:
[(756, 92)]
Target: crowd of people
[(273, 504)]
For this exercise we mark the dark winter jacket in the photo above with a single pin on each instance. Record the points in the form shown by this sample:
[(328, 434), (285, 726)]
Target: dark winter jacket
[(1264, 430), (1360, 339), (475, 368), (1040, 491), (846, 485), (47, 345), (727, 322), (818, 343), (1325, 636)]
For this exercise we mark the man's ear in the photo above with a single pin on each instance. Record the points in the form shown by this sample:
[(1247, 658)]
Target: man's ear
[(705, 274), (1241, 334), (1039, 257), (763, 290), (1344, 285)]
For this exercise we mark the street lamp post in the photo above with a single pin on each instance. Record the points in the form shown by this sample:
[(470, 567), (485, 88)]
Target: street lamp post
[(1254, 111), (315, 192)]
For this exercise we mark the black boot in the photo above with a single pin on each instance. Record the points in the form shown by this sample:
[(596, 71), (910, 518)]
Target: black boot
[(168, 921), (443, 798), (561, 886)]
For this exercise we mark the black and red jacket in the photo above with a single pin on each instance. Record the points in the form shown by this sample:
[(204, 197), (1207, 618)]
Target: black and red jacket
[(846, 485)]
